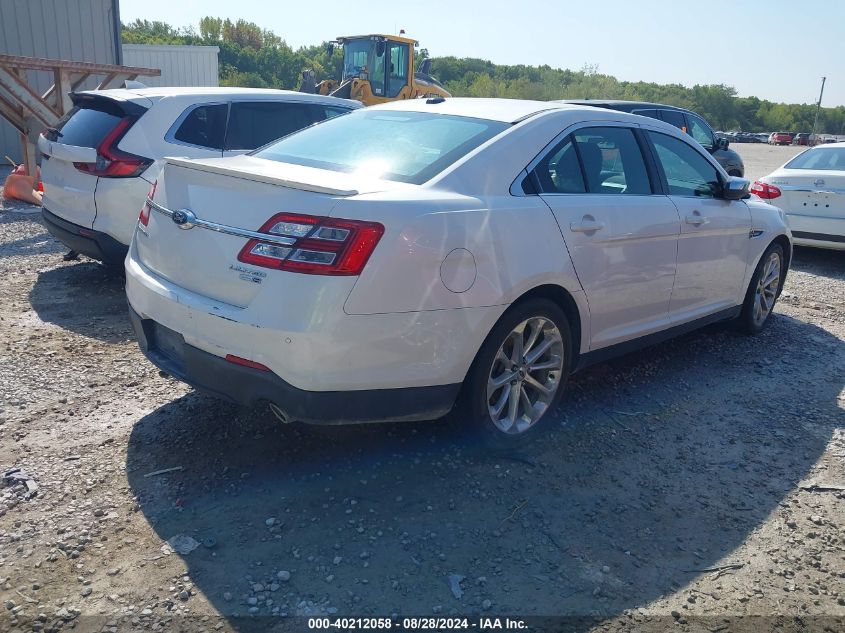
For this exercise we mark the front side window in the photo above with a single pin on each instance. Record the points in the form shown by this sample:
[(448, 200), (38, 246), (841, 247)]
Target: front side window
[(700, 131), (612, 161), (253, 124), (827, 158), (398, 68), (356, 58), (204, 126), (688, 173), (560, 171), (404, 146)]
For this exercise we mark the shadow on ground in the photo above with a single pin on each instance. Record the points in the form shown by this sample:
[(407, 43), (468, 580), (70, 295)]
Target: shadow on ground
[(84, 297), (660, 464), (819, 261)]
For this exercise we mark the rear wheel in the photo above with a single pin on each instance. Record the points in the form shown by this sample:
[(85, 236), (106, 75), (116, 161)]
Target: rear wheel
[(763, 290), (519, 373)]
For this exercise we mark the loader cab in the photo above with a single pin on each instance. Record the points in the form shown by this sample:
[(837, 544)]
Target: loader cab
[(385, 62)]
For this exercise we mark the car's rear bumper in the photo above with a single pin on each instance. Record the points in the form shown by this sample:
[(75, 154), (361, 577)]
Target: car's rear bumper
[(83, 240), (817, 231), (248, 386)]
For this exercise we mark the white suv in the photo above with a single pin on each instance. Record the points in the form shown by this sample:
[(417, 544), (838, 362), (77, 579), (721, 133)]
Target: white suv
[(101, 159), (377, 265)]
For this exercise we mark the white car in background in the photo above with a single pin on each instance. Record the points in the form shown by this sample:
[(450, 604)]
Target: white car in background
[(810, 189), (99, 162), (379, 265)]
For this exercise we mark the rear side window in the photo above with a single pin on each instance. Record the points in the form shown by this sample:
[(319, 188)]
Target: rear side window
[(253, 124), (329, 112), (688, 173), (86, 125), (652, 114), (560, 171), (612, 161), (675, 118), (204, 126)]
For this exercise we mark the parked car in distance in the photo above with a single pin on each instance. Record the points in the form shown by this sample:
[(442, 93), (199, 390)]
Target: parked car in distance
[(99, 162), (379, 265), (810, 189), (780, 138), (745, 137), (802, 138), (685, 120)]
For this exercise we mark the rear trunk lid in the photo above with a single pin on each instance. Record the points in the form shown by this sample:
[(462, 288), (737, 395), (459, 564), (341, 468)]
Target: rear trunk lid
[(68, 190), (243, 192), (819, 194)]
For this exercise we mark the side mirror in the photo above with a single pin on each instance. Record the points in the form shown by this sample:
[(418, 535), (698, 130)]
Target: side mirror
[(736, 188), (722, 143)]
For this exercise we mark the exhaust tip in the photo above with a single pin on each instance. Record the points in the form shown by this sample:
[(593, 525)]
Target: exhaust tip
[(275, 410)]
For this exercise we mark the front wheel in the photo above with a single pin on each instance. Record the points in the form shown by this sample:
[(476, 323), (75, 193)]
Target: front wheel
[(519, 373), (763, 290)]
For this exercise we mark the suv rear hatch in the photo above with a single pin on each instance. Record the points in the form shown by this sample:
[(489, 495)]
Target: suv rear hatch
[(83, 147), (240, 194)]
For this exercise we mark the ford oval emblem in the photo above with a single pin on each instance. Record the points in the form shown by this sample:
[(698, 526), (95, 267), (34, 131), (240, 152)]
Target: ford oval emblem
[(819, 182), (184, 218)]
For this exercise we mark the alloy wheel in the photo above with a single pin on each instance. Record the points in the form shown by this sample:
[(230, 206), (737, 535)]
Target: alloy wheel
[(767, 289), (525, 375)]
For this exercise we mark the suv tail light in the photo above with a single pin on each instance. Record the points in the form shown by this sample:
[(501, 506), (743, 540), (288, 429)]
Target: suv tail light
[(144, 217), (112, 162), (764, 190), (319, 246)]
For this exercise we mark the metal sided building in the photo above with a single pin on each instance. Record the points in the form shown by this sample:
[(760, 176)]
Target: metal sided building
[(78, 30), (180, 65)]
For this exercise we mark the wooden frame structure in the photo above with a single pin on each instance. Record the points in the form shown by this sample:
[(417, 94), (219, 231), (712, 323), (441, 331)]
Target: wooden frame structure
[(30, 112)]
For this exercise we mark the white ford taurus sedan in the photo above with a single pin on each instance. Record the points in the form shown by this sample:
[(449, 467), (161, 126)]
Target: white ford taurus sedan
[(387, 264), (810, 189)]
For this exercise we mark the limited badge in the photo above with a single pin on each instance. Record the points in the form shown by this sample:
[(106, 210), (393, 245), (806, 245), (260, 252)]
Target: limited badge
[(252, 276)]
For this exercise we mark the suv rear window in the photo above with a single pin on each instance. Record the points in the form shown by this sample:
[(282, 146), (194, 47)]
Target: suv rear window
[(405, 146), (88, 123), (204, 126)]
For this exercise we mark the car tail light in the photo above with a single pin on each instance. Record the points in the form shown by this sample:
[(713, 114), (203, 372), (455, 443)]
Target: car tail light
[(144, 217), (319, 246), (112, 162), (764, 190)]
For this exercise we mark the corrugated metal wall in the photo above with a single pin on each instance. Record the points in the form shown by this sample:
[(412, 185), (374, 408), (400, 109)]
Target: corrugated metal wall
[(180, 65), (78, 30)]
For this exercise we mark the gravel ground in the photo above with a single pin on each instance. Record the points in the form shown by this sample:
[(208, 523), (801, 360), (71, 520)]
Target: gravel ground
[(684, 486), (761, 159)]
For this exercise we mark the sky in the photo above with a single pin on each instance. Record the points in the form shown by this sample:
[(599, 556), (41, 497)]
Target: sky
[(773, 49)]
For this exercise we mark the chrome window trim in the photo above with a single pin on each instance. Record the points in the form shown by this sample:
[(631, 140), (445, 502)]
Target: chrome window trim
[(224, 228)]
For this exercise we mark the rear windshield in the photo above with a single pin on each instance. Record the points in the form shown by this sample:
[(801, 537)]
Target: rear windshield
[(826, 158), (405, 146), (87, 124)]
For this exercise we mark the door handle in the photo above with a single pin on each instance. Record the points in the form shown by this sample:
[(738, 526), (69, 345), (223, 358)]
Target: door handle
[(586, 226), (696, 219)]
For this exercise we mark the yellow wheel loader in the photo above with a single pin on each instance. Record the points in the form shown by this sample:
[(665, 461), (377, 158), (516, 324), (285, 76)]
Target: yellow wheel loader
[(377, 69)]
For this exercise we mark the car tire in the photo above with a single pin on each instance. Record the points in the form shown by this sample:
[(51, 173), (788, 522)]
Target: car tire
[(763, 291), (532, 387), (735, 173)]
